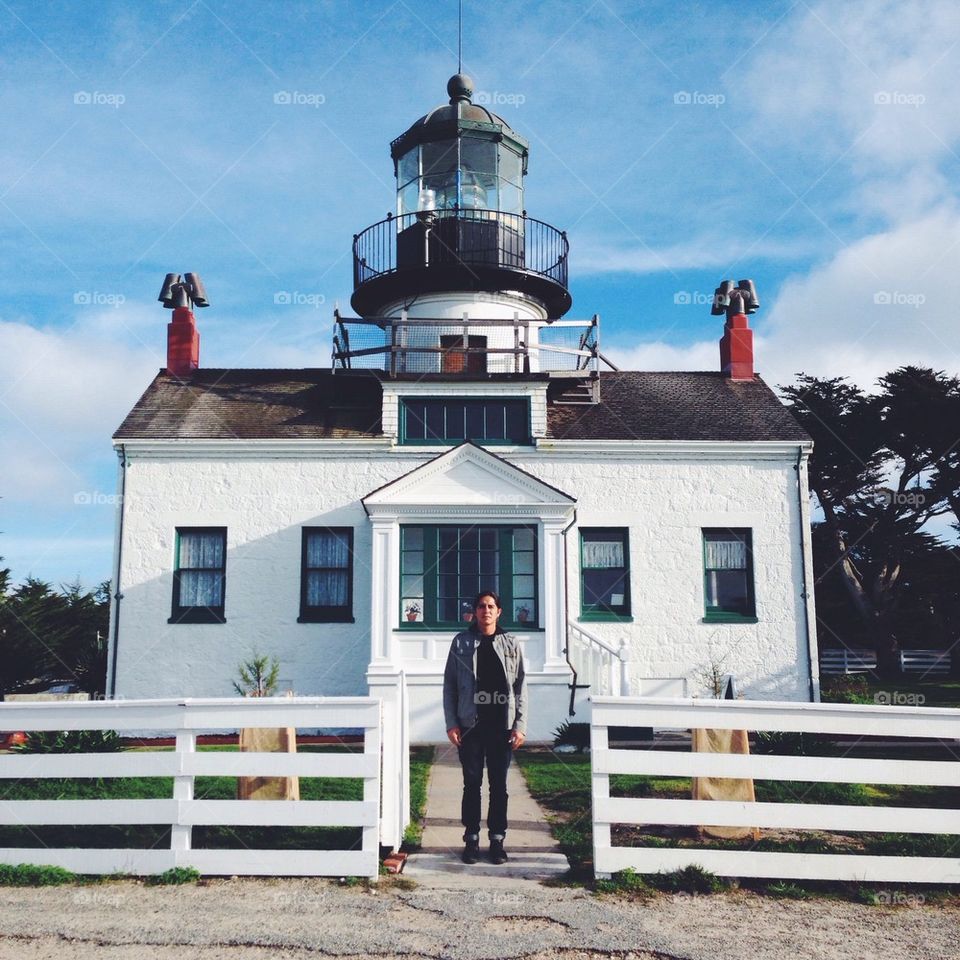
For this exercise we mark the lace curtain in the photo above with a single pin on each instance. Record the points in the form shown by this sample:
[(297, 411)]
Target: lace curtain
[(602, 553), (330, 552), (201, 569), (726, 555)]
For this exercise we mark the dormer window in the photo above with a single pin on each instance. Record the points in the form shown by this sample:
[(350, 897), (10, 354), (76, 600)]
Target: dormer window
[(435, 420)]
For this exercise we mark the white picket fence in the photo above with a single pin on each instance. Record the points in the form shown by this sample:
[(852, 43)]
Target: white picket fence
[(882, 721), (186, 719), (845, 661)]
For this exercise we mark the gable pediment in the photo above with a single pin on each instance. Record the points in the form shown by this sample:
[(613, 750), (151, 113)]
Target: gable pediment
[(469, 476)]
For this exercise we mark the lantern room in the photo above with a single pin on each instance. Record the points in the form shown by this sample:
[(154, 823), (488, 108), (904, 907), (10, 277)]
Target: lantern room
[(460, 225)]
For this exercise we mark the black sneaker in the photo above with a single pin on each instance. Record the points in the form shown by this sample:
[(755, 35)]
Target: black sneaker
[(497, 853), (471, 852)]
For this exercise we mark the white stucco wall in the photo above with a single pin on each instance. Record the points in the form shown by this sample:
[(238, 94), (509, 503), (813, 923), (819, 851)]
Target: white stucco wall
[(264, 502)]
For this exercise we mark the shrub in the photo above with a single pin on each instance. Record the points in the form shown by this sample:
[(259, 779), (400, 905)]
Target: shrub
[(174, 877), (691, 879), (33, 875), (572, 735)]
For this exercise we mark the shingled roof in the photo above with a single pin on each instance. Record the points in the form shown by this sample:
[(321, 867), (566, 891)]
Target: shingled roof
[(247, 404)]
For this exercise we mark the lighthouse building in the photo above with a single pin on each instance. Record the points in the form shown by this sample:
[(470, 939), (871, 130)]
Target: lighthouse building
[(646, 531)]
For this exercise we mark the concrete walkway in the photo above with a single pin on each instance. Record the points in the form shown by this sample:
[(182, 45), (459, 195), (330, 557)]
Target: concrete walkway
[(534, 854)]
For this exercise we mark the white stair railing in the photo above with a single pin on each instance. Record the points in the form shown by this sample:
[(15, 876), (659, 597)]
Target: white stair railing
[(597, 663)]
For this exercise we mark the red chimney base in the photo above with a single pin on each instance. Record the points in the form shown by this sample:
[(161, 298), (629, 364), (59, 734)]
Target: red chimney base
[(183, 343), (736, 348)]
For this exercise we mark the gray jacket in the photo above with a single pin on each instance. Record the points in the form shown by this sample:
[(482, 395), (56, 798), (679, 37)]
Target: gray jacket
[(460, 681)]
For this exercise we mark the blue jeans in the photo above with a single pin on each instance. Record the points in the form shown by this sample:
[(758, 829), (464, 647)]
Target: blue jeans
[(490, 745)]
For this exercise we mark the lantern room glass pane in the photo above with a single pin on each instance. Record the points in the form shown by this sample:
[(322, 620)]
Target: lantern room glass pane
[(439, 157), (408, 167), (511, 166), (478, 157)]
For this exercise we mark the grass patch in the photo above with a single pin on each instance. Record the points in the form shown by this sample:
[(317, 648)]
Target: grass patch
[(34, 875), (175, 876), (421, 759)]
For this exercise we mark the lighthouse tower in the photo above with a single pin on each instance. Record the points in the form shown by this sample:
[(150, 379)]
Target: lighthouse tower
[(460, 281)]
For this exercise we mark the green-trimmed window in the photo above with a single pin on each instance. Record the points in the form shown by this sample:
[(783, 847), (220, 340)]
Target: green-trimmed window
[(728, 574), (604, 573), (443, 568), (453, 420), (199, 575), (326, 575)]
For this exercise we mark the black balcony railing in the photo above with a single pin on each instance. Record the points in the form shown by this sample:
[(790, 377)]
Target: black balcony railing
[(467, 242)]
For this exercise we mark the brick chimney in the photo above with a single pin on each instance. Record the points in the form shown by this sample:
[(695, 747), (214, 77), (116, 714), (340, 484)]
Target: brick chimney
[(183, 343), (736, 348), (736, 344), (181, 294)]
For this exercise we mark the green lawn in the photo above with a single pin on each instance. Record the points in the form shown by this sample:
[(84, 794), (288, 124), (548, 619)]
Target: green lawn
[(868, 688), (205, 788)]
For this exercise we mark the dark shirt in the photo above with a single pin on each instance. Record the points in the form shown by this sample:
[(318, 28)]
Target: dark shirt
[(491, 686)]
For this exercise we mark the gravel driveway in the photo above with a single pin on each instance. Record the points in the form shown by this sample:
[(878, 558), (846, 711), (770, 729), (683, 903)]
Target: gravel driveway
[(260, 919)]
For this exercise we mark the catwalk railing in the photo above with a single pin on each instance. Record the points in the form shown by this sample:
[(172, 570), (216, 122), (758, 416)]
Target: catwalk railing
[(465, 346)]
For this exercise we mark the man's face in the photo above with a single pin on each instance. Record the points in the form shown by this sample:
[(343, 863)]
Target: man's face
[(487, 613)]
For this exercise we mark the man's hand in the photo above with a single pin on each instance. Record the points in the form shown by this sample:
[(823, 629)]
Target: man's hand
[(516, 739), (453, 735)]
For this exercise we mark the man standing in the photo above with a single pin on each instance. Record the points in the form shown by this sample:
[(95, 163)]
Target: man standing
[(485, 710)]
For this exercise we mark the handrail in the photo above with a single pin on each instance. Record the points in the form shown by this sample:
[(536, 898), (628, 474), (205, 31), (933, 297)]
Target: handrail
[(598, 661), (530, 245)]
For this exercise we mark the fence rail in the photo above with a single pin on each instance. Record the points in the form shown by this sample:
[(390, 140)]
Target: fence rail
[(181, 811), (847, 661), (883, 721)]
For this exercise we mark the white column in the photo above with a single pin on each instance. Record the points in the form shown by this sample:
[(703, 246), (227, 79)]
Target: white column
[(554, 596), (384, 587)]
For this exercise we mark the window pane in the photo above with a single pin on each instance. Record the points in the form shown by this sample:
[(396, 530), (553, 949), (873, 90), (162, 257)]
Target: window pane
[(408, 166), (328, 548), (511, 200), (416, 417), (604, 587), (199, 588), (412, 538), (474, 421), (411, 561), (489, 538), (523, 563), (727, 591), (495, 424), (408, 198), (448, 609), (523, 539), (412, 586), (725, 554), (434, 419), (516, 421), (523, 586), (478, 157), (439, 158), (201, 549), (602, 553), (327, 588), (511, 166)]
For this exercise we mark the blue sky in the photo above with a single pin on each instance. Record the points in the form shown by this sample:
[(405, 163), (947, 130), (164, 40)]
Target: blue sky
[(812, 146)]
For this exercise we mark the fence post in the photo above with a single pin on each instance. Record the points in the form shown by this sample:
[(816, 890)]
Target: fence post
[(181, 835), (371, 790), (624, 670), (599, 791)]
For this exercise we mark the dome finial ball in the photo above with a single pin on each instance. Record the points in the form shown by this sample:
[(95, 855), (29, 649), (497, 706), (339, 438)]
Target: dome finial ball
[(459, 87)]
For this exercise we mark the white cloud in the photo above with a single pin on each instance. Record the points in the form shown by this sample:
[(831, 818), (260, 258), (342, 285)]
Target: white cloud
[(62, 394)]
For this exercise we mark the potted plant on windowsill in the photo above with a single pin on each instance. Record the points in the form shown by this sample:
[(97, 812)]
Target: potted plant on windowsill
[(413, 611), (523, 614)]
